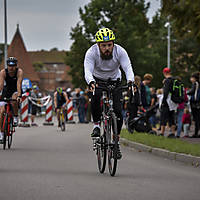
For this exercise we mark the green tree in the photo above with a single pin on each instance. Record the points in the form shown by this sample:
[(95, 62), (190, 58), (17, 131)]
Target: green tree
[(144, 42), (186, 16), (185, 20)]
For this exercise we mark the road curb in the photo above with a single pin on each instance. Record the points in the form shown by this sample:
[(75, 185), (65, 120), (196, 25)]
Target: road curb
[(189, 159)]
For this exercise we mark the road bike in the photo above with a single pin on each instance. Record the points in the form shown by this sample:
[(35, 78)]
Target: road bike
[(106, 146), (7, 126), (62, 118)]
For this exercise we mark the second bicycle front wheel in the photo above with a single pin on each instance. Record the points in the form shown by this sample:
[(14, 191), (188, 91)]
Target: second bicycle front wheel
[(113, 146), (5, 131)]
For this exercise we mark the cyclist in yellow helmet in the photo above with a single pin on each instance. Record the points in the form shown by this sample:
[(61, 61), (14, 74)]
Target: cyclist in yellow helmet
[(102, 62), (60, 98)]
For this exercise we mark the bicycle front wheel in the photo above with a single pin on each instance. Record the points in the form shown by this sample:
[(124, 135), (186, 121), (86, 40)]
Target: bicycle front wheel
[(62, 121), (101, 153), (112, 147), (10, 133)]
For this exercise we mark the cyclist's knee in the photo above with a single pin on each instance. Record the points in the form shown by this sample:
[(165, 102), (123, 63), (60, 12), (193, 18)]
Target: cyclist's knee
[(2, 110)]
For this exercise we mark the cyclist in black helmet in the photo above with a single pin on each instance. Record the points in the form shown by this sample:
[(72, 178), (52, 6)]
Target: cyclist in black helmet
[(10, 87)]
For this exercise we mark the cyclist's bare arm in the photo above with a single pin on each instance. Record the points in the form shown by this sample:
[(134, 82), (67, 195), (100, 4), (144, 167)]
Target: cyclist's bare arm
[(66, 97), (19, 82), (2, 78), (55, 99)]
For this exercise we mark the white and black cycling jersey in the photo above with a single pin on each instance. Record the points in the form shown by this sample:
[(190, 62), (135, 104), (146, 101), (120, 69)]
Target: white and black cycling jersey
[(95, 66)]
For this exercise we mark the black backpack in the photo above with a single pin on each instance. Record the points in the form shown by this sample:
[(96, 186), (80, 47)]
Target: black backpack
[(177, 91)]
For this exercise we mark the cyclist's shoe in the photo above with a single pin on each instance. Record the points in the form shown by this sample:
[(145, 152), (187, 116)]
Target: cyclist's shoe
[(119, 154), (15, 121), (96, 132)]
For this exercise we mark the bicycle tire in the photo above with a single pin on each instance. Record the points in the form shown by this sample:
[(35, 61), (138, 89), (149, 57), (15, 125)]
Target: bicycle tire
[(112, 148), (10, 133), (5, 131), (102, 154), (62, 121)]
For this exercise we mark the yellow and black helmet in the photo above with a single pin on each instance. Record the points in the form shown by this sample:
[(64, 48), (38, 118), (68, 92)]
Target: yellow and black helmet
[(104, 35), (59, 90)]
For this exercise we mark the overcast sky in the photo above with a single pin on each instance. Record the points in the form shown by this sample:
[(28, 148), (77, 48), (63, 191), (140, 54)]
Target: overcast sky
[(45, 24)]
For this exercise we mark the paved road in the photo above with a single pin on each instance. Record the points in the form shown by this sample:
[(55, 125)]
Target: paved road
[(47, 164)]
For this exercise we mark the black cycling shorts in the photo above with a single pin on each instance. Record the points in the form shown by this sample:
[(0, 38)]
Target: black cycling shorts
[(167, 116), (34, 109)]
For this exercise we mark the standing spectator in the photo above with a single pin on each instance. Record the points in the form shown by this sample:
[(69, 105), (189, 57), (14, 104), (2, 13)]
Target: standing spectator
[(86, 105), (81, 107), (74, 99), (145, 91), (124, 106), (168, 107), (68, 91), (186, 120), (195, 101), (34, 107), (159, 93), (39, 95), (134, 102), (89, 114), (153, 103), (180, 111)]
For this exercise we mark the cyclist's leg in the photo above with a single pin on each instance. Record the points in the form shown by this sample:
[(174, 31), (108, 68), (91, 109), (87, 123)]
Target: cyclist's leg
[(117, 105), (58, 115), (15, 109), (96, 112), (15, 104)]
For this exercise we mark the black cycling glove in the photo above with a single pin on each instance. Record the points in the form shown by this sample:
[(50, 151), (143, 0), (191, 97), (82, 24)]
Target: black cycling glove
[(90, 85)]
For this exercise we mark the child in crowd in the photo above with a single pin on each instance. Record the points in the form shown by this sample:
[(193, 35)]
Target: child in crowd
[(186, 120)]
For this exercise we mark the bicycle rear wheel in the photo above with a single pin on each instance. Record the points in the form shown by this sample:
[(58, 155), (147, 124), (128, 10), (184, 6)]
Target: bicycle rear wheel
[(113, 146), (10, 134), (101, 153)]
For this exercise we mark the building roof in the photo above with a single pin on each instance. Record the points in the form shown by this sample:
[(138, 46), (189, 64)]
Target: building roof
[(17, 49), (47, 56)]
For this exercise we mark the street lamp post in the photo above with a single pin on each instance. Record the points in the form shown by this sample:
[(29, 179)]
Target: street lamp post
[(168, 26), (5, 44), (168, 47)]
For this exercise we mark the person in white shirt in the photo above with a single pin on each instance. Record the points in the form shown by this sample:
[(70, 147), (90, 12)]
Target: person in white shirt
[(102, 63)]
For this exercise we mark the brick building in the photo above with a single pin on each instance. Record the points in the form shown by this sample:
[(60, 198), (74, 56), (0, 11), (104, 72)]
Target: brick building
[(53, 72)]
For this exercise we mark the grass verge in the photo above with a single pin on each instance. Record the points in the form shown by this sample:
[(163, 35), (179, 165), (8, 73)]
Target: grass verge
[(173, 145)]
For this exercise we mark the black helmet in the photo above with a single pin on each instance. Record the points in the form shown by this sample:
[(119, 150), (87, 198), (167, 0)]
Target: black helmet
[(12, 61)]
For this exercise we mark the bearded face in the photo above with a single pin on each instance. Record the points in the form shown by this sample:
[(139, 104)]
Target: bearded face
[(106, 49)]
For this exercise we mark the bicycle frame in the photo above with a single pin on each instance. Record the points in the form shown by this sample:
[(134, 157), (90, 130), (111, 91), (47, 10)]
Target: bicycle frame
[(8, 111), (62, 118)]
